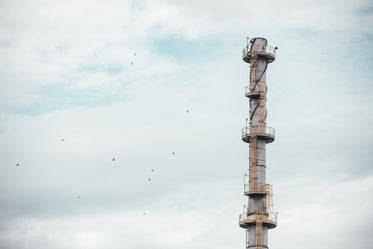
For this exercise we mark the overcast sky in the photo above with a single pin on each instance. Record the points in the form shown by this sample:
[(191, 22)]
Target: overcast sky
[(83, 82)]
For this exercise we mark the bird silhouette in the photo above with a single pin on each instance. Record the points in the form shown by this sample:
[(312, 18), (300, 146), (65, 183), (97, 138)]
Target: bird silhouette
[(17, 164), (62, 139), (173, 153), (149, 179), (134, 54), (113, 159), (143, 213), (78, 197), (152, 170), (187, 111), (131, 62)]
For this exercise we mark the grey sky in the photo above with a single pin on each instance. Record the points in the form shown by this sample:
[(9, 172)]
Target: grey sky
[(66, 74)]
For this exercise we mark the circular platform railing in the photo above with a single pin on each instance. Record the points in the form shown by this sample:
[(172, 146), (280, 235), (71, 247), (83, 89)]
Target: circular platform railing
[(252, 92), (267, 51), (261, 131), (257, 91), (256, 188), (270, 219)]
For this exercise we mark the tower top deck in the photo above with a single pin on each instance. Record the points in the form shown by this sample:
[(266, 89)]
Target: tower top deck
[(258, 46)]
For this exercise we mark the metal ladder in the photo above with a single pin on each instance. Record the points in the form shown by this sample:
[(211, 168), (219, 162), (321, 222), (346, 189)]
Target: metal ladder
[(258, 234), (269, 199), (252, 169)]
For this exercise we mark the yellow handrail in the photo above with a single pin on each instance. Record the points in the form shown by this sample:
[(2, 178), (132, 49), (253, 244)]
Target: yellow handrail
[(258, 130), (264, 216), (256, 187)]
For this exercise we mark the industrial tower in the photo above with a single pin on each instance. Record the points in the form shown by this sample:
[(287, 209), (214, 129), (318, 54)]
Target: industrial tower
[(258, 215)]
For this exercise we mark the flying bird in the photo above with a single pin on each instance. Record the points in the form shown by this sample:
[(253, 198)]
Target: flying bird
[(187, 111), (78, 197), (143, 213), (113, 159), (173, 153), (131, 62), (152, 170), (62, 139), (149, 179), (134, 54), (17, 164)]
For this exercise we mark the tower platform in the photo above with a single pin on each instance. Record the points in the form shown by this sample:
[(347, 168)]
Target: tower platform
[(255, 93), (250, 219), (266, 132), (267, 52), (256, 189)]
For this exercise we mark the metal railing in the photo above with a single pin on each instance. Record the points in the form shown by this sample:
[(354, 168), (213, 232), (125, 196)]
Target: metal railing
[(259, 89), (258, 130), (270, 217), (249, 91), (256, 188), (259, 49)]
